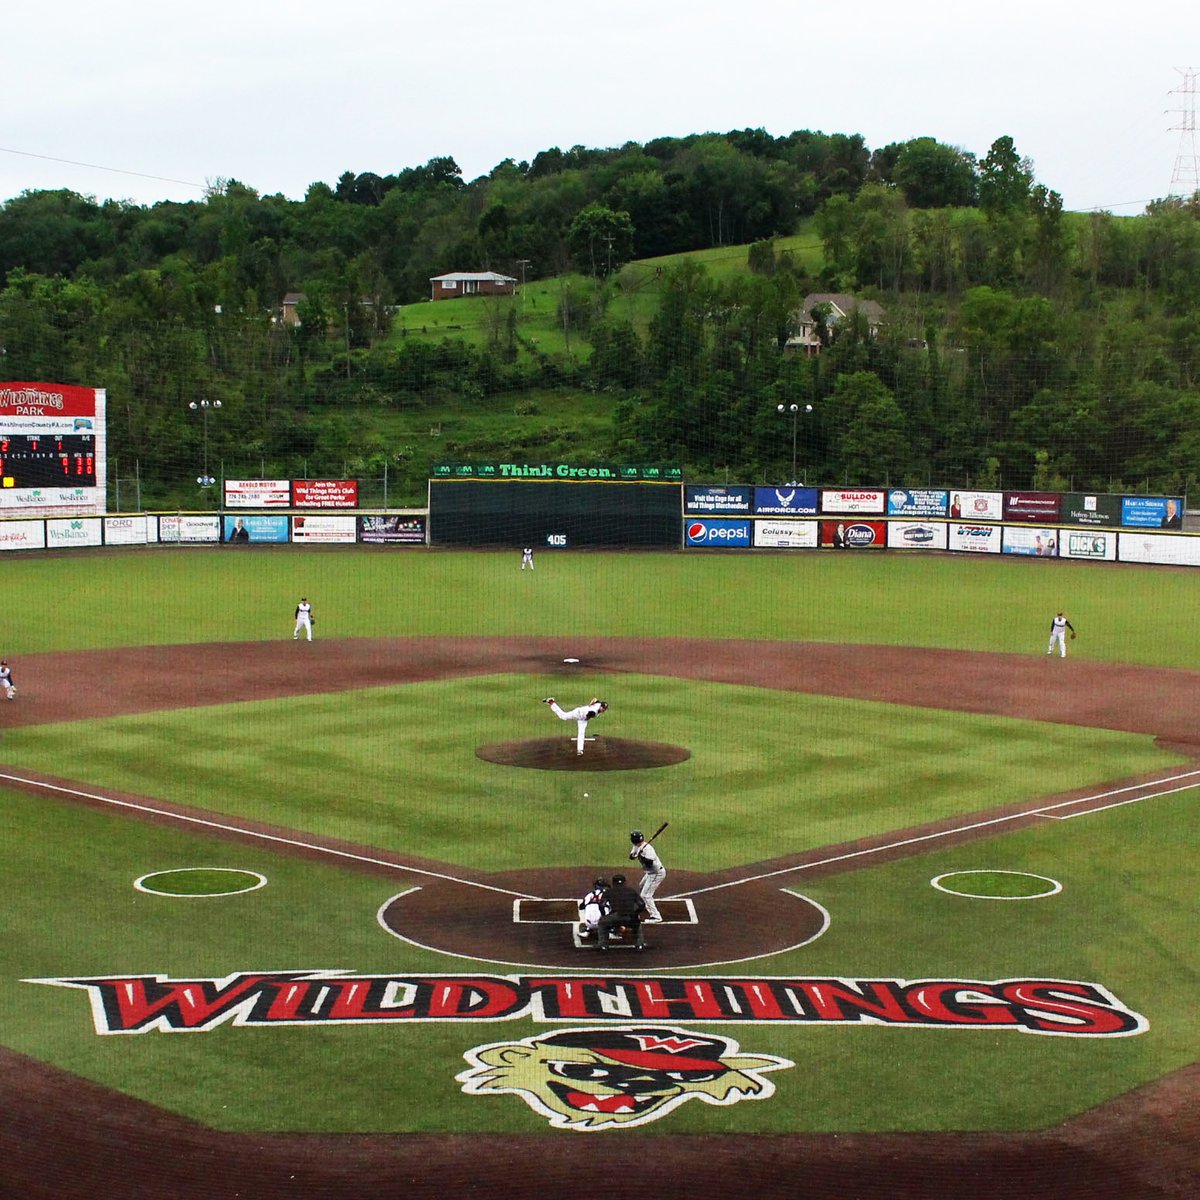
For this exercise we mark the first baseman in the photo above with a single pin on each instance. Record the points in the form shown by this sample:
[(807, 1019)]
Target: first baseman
[(304, 619), (1058, 633), (653, 872), (581, 716)]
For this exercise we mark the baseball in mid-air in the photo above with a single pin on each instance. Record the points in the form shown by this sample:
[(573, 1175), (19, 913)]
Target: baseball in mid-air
[(585, 795), (808, 408)]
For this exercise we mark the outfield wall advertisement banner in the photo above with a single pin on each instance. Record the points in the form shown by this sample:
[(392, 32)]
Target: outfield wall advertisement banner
[(860, 501), (1096, 545), (1159, 548), (242, 530), (714, 532), (1045, 507), (23, 535), (189, 528), (917, 502), (975, 539), (1040, 543), (916, 535), (1080, 508), (854, 535), (258, 493), (405, 530), (325, 493), (731, 501), (65, 532), (791, 535), (130, 531), (786, 501), (977, 506), (336, 530), (1157, 512)]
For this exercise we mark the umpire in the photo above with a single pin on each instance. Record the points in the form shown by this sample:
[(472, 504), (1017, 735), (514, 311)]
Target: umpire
[(625, 908)]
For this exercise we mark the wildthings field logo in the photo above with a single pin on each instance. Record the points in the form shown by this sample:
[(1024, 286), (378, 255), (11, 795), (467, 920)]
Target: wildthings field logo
[(612, 1078), (141, 1003)]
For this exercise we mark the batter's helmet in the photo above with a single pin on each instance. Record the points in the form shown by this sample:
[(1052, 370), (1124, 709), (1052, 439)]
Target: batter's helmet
[(636, 836)]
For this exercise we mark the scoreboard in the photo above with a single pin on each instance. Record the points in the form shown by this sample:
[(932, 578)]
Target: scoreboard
[(30, 460), (52, 443)]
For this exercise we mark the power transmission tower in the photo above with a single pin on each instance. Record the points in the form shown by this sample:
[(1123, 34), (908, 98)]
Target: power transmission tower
[(1185, 179)]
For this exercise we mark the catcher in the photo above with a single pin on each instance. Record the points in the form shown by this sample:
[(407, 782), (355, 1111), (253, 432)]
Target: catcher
[(1058, 633)]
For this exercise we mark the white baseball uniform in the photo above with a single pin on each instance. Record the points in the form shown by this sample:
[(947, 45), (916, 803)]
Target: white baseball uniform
[(580, 715), (1058, 633), (303, 620), (653, 873), (527, 558)]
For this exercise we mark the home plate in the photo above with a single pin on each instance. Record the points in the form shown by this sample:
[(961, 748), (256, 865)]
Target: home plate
[(570, 660)]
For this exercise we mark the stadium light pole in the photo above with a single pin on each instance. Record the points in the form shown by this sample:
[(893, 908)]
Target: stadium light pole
[(794, 411), (205, 480)]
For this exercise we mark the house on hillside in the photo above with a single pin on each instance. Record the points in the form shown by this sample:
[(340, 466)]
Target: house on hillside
[(471, 283), (287, 308), (806, 338)]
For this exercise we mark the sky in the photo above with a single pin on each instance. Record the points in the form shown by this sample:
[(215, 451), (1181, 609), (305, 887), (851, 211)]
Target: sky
[(148, 101)]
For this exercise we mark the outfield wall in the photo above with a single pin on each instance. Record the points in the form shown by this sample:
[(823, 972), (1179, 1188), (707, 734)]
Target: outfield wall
[(410, 529)]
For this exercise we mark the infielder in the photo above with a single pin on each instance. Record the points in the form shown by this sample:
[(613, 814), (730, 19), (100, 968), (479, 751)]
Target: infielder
[(304, 619), (581, 716), (6, 680), (527, 558), (653, 872), (592, 907), (1058, 633)]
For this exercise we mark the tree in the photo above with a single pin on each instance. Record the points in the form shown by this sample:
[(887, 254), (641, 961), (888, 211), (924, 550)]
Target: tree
[(1004, 179), (601, 240), (933, 175)]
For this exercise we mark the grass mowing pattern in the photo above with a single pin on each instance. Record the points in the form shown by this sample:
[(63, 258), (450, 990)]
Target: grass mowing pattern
[(395, 768)]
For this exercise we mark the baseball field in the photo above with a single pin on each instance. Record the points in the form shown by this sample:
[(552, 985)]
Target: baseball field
[(298, 919)]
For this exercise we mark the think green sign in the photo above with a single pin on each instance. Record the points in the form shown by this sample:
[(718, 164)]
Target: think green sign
[(619, 472)]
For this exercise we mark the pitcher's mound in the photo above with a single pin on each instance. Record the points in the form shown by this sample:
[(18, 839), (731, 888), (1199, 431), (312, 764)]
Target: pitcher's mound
[(600, 754)]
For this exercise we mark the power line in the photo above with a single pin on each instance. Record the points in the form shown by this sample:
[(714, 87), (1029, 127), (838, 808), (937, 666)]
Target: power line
[(97, 167)]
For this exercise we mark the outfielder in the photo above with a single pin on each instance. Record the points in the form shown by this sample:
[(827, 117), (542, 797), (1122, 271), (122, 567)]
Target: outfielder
[(581, 716), (527, 558), (6, 680), (653, 872), (1058, 633), (304, 619)]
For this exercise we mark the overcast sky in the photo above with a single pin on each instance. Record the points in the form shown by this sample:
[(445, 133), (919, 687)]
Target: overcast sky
[(158, 99)]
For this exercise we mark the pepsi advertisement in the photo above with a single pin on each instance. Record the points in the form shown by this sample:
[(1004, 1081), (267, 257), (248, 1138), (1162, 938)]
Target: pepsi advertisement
[(786, 501), (721, 534)]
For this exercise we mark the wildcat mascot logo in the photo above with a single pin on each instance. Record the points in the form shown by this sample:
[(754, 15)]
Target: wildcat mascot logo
[(615, 1077)]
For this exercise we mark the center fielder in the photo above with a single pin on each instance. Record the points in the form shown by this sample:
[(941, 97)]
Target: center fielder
[(581, 716), (653, 871)]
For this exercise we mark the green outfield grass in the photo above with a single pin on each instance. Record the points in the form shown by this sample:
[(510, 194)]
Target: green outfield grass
[(1123, 919), (162, 596), (395, 767)]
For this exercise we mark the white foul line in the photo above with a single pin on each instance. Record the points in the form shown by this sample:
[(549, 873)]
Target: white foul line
[(942, 833), (254, 833)]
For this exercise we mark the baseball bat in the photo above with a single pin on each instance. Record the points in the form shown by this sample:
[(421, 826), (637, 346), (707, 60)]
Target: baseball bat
[(659, 830)]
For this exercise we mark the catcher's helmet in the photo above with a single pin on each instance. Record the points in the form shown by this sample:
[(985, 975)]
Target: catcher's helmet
[(600, 883), (636, 836)]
